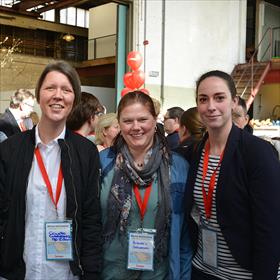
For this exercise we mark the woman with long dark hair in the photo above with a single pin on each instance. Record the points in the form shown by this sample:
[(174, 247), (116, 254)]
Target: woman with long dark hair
[(232, 195)]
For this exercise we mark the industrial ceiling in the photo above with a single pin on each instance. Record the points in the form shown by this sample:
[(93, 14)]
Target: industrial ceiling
[(34, 8)]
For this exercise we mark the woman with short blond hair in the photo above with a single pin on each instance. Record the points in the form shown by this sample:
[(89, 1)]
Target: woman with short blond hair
[(106, 130)]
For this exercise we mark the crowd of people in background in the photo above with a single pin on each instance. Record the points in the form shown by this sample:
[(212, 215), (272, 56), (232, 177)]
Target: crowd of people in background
[(16, 118), (106, 130), (86, 194)]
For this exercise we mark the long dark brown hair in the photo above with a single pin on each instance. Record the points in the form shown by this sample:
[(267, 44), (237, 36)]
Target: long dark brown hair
[(191, 120)]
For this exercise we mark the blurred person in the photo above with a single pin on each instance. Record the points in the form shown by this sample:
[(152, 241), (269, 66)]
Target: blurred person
[(34, 118), (157, 110), (276, 145), (232, 194), (171, 126), (50, 219), (157, 106), (16, 118), (240, 116), (84, 116), (142, 199), (191, 129), (107, 128), (241, 119)]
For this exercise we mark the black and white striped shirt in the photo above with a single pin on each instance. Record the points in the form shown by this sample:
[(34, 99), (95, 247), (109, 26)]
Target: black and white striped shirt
[(227, 268)]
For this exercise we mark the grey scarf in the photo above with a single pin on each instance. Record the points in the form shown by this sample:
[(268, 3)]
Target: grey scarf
[(120, 197)]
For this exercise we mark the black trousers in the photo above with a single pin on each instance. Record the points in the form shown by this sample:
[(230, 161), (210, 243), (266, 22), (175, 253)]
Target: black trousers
[(198, 275)]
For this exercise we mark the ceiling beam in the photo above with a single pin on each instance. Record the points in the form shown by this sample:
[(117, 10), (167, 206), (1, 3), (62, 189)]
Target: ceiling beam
[(27, 4), (76, 3), (60, 5), (24, 5), (24, 13), (122, 2), (81, 2)]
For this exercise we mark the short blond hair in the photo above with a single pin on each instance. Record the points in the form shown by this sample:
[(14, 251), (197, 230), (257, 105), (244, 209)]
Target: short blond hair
[(157, 105), (104, 122)]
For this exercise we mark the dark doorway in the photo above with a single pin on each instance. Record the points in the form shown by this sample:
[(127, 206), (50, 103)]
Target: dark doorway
[(250, 28)]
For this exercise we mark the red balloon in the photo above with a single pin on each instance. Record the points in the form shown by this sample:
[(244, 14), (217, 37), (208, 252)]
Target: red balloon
[(138, 78), (128, 80), (134, 60), (125, 91), (144, 90)]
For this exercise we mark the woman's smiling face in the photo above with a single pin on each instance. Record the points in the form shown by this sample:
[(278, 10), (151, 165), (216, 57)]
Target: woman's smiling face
[(215, 103), (137, 126), (56, 97)]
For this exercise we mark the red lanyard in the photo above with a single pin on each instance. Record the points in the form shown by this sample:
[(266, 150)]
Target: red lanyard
[(207, 198), (47, 180), (142, 204), (22, 126), (77, 132)]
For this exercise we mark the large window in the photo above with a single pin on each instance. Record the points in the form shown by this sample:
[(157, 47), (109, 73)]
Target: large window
[(71, 15), (7, 3), (74, 16), (49, 15)]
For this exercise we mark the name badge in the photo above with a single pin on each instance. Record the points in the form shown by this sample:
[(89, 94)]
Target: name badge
[(141, 250), (58, 238), (209, 247)]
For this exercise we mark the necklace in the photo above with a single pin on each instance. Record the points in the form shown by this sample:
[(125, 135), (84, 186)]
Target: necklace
[(139, 165)]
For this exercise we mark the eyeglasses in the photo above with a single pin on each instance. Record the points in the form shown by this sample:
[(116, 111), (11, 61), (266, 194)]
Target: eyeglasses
[(98, 114), (31, 106), (236, 115), (167, 118)]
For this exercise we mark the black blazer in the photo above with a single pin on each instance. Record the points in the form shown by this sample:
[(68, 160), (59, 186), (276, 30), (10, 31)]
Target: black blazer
[(247, 202), (80, 168), (8, 124)]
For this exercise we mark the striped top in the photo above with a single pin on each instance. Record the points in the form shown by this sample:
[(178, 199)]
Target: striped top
[(227, 268)]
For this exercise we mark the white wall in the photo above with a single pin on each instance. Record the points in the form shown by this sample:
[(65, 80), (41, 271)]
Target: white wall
[(102, 22), (105, 95), (199, 36)]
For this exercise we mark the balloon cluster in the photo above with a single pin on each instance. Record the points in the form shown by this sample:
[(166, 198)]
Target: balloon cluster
[(135, 79)]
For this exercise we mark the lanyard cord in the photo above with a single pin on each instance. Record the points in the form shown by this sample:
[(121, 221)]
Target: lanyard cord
[(47, 180), (142, 204), (208, 198)]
